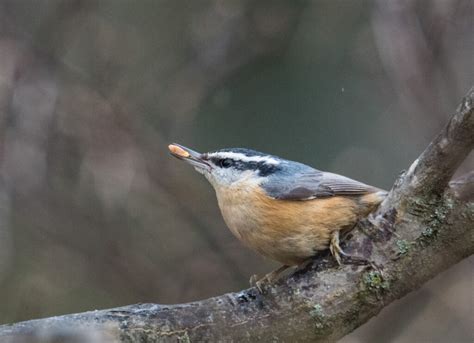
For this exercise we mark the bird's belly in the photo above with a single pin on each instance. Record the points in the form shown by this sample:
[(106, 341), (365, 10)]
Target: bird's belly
[(287, 231), (291, 249), (283, 239)]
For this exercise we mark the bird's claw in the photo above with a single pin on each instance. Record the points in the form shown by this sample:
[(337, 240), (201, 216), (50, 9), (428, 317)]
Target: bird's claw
[(259, 283), (253, 280)]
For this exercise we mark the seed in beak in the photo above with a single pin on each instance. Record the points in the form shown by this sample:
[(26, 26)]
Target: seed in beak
[(178, 151)]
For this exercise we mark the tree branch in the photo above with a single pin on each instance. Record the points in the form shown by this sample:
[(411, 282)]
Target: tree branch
[(423, 227), (429, 175)]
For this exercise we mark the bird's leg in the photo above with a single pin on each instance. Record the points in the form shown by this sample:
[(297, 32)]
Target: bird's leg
[(334, 247), (269, 278), (337, 251)]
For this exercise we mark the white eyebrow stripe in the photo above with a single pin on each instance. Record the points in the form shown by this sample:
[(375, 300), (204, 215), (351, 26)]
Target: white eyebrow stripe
[(244, 158)]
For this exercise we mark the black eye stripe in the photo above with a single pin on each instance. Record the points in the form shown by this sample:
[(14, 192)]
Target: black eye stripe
[(267, 169), (263, 168), (226, 163), (223, 162), (217, 161)]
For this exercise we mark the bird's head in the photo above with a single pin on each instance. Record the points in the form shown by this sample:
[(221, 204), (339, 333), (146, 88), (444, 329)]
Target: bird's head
[(226, 166)]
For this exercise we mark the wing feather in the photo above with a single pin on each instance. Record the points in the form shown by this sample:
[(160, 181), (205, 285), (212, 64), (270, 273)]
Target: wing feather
[(312, 184)]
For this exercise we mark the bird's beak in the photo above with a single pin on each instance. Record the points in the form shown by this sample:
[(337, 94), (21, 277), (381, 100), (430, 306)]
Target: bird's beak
[(192, 157)]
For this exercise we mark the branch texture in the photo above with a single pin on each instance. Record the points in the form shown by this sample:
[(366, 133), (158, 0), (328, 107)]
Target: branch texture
[(423, 227)]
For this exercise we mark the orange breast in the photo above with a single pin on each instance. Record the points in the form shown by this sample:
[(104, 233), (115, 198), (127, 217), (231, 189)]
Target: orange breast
[(283, 230)]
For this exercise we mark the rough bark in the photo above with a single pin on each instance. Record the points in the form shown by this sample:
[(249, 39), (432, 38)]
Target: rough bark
[(423, 227)]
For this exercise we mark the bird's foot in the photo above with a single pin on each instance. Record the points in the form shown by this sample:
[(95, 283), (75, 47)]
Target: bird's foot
[(340, 256), (253, 280), (334, 247), (268, 279), (259, 283)]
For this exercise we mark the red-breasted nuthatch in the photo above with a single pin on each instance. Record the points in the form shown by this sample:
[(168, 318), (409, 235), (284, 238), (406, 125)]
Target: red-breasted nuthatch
[(284, 210)]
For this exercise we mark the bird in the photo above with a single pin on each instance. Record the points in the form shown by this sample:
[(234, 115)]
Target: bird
[(284, 210)]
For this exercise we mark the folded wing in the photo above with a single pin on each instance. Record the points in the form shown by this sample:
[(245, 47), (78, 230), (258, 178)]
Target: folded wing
[(313, 184)]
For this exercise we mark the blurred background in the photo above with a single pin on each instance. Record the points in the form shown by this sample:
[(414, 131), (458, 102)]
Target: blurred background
[(94, 213)]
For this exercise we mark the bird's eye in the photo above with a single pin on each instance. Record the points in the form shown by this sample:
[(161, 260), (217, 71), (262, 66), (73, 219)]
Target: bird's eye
[(225, 163)]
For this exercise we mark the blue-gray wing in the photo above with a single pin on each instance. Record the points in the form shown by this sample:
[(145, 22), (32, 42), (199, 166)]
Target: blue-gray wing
[(313, 184)]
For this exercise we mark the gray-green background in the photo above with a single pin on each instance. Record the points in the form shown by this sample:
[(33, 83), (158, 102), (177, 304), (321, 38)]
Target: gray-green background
[(93, 211)]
